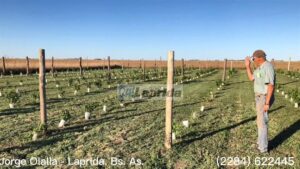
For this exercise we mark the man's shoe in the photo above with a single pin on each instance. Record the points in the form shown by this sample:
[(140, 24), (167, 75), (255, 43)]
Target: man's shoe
[(265, 152)]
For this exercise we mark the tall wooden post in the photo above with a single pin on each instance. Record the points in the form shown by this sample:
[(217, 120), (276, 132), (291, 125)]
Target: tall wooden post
[(108, 69), (140, 63), (182, 67), (224, 70), (199, 65), (160, 64), (80, 66), (87, 63), (169, 101), (144, 73), (128, 63), (155, 65), (289, 64), (42, 89), (3, 65), (231, 65), (27, 66), (52, 66)]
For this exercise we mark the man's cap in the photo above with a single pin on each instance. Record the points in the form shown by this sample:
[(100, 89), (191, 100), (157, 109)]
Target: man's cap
[(259, 54)]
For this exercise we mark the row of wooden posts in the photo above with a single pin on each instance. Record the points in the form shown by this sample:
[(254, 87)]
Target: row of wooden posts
[(52, 65), (142, 65), (4, 66), (27, 65)]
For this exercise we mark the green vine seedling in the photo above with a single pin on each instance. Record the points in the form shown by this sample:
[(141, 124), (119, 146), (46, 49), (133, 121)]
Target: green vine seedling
[(65, 116), (194, 115), (37, 132), (89, 108), (12, 98)]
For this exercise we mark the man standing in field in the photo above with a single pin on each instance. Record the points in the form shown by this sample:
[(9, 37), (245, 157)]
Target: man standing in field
[(264, 82)]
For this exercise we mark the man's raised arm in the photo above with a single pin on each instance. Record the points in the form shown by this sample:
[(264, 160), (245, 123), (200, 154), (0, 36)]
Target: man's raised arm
[(248, 68)]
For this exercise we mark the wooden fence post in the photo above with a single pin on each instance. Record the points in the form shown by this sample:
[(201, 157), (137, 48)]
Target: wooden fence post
[(3, 65), (231, 65), (160, 64), (80, 66), (108, 68), (52, 66), (140, 63), (289, 64), (27, 66), (128, 63), (42, 89), (144, 73), (224, 70), (103, 64), (87, 64), (182, 67), (169, 101), (155, 66)]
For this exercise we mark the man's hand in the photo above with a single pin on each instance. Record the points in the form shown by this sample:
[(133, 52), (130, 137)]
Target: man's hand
[(247, 61), (266, 108)]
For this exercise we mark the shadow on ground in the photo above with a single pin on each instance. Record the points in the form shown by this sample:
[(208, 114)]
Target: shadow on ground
[(284, 135), (16, 111)]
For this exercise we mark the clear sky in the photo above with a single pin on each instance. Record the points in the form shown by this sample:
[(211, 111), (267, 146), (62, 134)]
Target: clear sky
[(134, 29)]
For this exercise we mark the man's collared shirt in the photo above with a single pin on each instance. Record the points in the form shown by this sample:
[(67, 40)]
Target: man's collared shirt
[(263, 76)]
